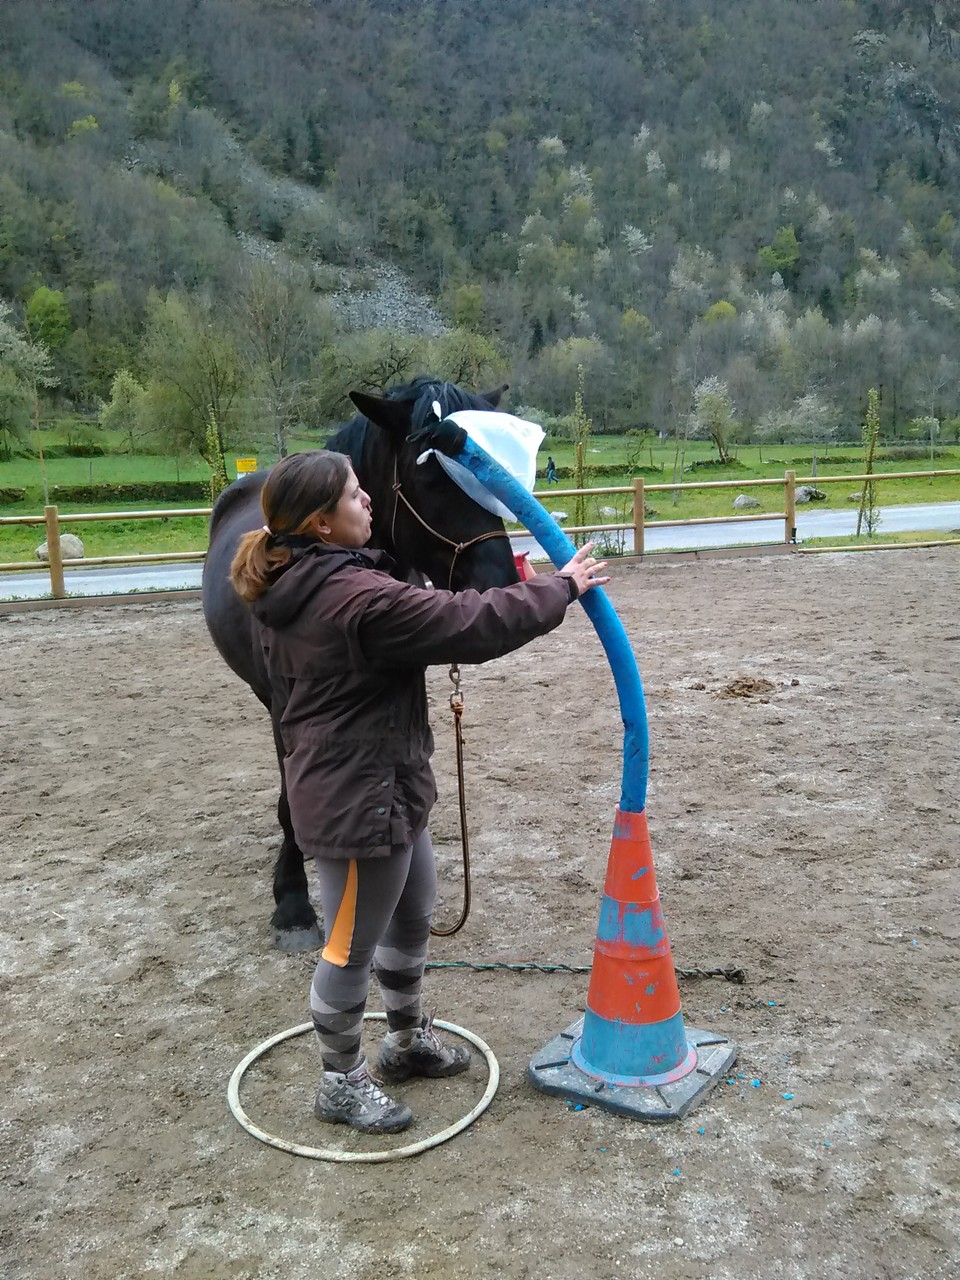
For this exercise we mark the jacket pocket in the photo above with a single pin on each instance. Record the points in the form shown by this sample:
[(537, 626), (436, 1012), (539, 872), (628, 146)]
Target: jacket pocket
[(338, 801)]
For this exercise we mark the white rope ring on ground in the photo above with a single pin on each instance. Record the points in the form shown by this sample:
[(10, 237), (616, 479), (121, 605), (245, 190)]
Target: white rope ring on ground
[(361, 1157)]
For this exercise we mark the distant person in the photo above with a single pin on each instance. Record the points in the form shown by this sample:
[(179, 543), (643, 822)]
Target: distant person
[(552, 472)]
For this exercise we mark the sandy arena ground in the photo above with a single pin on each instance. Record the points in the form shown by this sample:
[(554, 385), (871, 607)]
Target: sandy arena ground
[(809, 834)]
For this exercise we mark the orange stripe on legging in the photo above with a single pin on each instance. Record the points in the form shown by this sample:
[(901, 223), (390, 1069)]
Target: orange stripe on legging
[(337, 950)]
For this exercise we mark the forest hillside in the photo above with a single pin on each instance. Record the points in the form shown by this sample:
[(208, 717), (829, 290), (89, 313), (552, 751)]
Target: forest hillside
[(241, 208)]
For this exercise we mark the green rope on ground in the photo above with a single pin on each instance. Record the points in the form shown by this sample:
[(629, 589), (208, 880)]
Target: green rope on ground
[(517, 967), (730, 972)]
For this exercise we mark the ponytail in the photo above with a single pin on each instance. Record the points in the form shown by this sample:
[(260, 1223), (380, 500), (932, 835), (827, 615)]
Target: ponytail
[(254, 564)]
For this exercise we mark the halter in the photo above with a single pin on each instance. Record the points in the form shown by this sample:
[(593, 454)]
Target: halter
[(458, 547), (456, 698)]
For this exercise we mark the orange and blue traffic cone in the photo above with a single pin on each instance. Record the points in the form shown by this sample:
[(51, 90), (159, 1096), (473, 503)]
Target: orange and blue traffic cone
[(631, 1052)]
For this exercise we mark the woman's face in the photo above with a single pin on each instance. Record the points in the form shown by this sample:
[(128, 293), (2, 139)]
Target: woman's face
[(349, 524)]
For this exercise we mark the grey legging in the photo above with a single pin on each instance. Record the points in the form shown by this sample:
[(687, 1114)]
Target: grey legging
[(377, 911)]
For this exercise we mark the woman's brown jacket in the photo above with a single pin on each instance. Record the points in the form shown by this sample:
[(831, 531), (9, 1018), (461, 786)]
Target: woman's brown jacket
[(346, 646)]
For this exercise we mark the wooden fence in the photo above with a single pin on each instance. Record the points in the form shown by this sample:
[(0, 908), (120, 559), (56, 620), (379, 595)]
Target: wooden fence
[(53, 521)]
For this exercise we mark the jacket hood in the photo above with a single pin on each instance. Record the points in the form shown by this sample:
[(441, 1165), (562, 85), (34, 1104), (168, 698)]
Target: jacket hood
[(304, 575)]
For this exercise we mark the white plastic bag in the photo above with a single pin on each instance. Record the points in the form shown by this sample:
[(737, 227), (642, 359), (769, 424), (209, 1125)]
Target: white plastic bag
[(510, 441)]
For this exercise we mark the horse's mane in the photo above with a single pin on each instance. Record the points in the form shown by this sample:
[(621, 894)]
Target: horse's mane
[(241, 490), (350, 438)]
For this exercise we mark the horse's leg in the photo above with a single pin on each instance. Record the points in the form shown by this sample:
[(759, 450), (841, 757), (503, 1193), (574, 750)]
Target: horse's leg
[(294, 921)]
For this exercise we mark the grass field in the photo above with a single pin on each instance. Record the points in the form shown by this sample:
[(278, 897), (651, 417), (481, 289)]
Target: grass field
[(905, 538), (144, 537)]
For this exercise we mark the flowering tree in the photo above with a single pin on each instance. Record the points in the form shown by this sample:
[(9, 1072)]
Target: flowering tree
[(24, 369), (712, 415), (811, 419)]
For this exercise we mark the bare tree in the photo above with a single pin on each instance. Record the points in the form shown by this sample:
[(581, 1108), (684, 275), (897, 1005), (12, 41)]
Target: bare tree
[(282, 328)]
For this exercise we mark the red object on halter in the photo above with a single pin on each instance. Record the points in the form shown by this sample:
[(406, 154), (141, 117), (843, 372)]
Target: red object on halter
[(523, 566)]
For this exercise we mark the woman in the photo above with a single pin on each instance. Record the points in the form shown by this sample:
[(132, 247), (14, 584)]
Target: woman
[(346, 645)]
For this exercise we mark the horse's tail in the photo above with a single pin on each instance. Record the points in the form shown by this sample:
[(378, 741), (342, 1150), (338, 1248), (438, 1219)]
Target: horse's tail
[(245, 489)]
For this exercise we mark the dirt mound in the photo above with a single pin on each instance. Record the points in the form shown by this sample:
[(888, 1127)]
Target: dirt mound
[(746, 687)]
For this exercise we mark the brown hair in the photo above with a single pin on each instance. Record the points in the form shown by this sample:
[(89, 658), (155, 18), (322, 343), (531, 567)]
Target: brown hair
[(295, 489)]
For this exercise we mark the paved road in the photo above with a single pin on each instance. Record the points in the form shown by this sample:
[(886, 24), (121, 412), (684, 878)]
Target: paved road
[(940, 516)]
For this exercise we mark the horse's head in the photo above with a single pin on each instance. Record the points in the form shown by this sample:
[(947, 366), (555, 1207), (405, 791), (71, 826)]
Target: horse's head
[(419, 514)]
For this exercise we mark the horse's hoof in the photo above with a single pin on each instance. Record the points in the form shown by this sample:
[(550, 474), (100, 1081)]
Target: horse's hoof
[(293, 940)]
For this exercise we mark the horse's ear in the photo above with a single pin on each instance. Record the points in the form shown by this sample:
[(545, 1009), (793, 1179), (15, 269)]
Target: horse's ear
[(493, 396), (392, 415)]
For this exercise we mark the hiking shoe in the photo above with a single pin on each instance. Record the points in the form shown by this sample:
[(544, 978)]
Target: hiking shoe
[(424, 1054), (355, 1098)]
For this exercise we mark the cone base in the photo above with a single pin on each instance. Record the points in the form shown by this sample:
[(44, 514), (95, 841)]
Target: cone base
[(553, 1071)]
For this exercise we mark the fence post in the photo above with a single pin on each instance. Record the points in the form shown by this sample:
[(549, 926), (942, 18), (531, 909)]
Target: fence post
[(54, 554), (790, 506), (638, 506)]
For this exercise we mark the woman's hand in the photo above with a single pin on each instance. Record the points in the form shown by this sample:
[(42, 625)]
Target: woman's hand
[(586, 572)]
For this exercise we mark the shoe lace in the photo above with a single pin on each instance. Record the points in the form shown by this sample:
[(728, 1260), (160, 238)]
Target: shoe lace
[(430, 1037), (368, 1087)]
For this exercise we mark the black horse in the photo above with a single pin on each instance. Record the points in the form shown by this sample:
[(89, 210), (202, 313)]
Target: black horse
[(420, 517)]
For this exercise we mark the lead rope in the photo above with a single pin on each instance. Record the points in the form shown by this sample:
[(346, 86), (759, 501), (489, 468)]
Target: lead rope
[(456, 706)]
